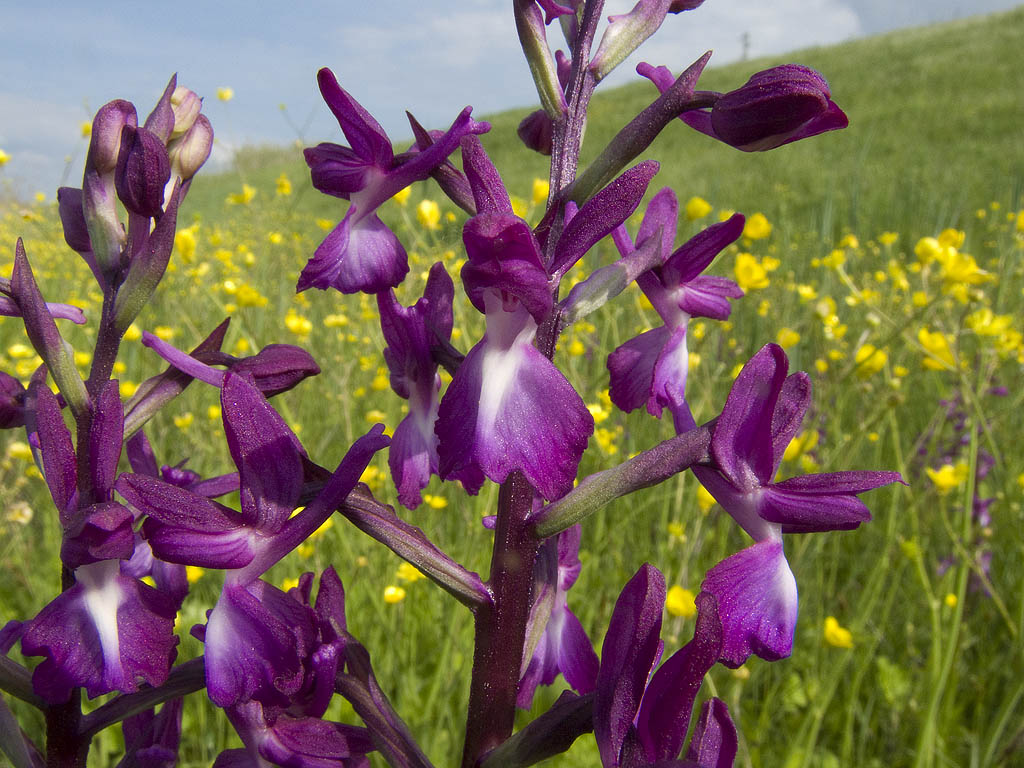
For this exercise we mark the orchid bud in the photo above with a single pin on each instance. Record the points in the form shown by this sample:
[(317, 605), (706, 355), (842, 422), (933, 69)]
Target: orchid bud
[(533, 38), (143, 169), (185, 105), (191, 150), (72, 219), (536, 131), (277, 368), (773, 108), (105, 141), (161, 120), (12, 402), (625, 33)]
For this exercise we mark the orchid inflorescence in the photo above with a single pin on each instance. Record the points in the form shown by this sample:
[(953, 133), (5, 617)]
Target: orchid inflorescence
[(274, 660)]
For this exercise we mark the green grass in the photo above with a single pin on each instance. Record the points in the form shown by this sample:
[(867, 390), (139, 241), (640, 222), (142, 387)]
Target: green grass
[(934, 136)]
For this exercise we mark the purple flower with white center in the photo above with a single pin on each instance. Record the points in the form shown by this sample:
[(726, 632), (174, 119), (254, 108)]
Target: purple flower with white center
[(185, 527), (508, 407), (293, 733), (562, 645), (652, 368), (410, 332), (640, 718), (755, 588), (361, 253), (774, 107), (109, 630)]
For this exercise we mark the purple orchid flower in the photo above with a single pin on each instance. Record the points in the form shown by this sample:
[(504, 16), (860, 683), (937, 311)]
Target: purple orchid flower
[(652, 368), (508, 407), (109, 630), (641, 719), (774, 107), (562, 645), (151, 739), (187, 528), (410, 332), (292, 733), (361, 253), (755, 588)]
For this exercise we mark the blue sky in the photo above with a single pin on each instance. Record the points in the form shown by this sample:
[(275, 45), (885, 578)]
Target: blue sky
[(62, 60)]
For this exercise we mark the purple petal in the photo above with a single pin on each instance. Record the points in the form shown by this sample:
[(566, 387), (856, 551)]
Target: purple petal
[(308, 741), (714, 741), (140, 455), (277, 368), (662, 213), (794, 399), (708, 296), (360, 254), (694, 256), (800, 512), (100, 531), (511, 409), (185, 363), (364, 134), (489, 192), (627, 656), (757, 603), (255, 638), (829, 483), (337, 171), (576, 658), (266, 452), (742, 440), (631, 369), (107, 633), (505, 258)]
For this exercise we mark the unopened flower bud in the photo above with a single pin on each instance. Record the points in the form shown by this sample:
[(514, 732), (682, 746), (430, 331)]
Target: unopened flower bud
[(773, 108), (536, 131), (188, 153), (625, 33), (12, 402), (105, 141), (143, 169), (186, 105)]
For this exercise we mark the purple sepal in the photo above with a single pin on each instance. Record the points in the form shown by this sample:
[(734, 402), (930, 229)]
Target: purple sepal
[(628, 654), (106, 438), (161, 120), (72, 218), (151, 740), (298, 742), (774, 107), (107, 633), (276, 368), (668, 387), (56, 310), (714, 741), (757, 603), (412, 457), (664, 716), (254, 639), (55, 447), (509, 408), (536, 131)]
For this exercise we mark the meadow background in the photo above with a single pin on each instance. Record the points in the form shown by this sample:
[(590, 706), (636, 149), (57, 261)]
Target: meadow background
[(889, 262)]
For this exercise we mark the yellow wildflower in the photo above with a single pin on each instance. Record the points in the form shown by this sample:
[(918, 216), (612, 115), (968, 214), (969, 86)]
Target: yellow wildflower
[(541, 189), (870, 360), (948, 477), (242, 198), (749, 273), (435, 502), (939, 353), (951, 238), (193, 573), (184, 421), (393, 594), (402, 196), (951, 600), (19, 512), (4, 158), (289, 582), (705, 501), (127, 388), (225, 94), (428, 214), (297, 324), (835, 259), (837, 636), (787, 337), (283, 185), (757, 227), (409, 572), (697, 208), (888, 238), (681, 602), (164, 332), (927, 249)]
